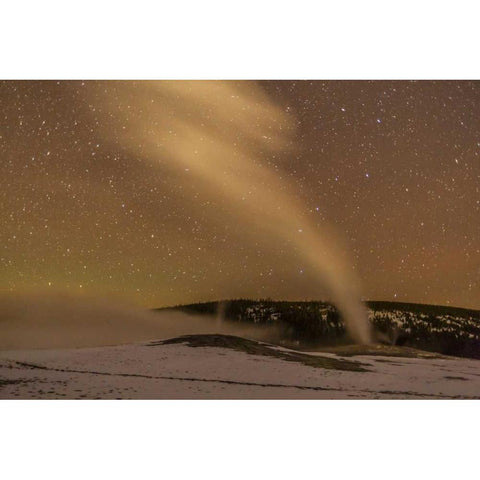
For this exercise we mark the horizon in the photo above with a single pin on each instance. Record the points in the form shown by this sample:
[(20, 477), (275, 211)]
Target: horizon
[(453, 307)]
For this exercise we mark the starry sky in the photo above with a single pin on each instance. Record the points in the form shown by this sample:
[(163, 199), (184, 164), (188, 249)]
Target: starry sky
[(166, 192)]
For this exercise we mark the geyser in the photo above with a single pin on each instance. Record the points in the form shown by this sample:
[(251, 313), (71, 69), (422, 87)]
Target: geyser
[(216, 130)]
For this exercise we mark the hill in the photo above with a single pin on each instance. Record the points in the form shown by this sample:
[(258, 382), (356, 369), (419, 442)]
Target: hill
[(315, 325)]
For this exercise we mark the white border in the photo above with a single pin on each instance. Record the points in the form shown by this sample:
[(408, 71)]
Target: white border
[(252, 39), (238, 439)]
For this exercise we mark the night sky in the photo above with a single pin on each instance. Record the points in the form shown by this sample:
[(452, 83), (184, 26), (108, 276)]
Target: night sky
[(109, 188)]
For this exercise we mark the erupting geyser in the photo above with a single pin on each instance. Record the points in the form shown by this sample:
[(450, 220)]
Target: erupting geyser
[(217, 131)]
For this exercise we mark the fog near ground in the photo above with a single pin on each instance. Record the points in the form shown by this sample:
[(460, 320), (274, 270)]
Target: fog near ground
[(61, 320)]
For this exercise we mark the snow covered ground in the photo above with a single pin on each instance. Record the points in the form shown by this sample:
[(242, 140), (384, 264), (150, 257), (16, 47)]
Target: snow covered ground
[(180, 371)]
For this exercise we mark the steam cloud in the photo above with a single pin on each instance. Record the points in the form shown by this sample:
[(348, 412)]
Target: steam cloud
[(213, 130)]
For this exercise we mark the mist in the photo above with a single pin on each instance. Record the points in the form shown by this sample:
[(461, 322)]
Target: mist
[(50, 320)]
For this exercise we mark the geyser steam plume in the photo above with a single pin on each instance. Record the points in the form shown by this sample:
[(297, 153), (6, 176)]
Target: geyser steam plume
[(216, 130)]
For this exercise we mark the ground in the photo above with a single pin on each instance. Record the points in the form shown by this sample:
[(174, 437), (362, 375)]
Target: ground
[(227, 367)]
